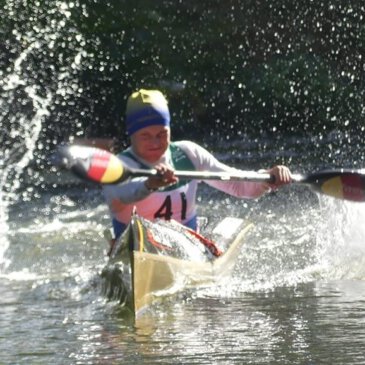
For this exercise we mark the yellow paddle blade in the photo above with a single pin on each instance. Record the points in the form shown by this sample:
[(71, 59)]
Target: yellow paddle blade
[(333, 187)]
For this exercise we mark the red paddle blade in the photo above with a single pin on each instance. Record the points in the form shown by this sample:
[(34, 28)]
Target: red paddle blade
[(341, 184), (91, 163)]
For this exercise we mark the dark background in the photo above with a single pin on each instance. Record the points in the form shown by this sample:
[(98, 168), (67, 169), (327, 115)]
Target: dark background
[(228, 68)]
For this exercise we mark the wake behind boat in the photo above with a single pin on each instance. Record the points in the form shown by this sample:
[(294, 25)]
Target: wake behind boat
[(154, 260)]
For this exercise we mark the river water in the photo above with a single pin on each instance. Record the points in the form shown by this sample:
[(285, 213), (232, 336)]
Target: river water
[(297, 295)]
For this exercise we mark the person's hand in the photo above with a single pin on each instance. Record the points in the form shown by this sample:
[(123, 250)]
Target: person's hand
[(281, 175), (165, 177)]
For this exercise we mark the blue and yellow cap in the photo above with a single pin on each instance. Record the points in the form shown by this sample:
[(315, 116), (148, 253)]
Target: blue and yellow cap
[(146, 108)]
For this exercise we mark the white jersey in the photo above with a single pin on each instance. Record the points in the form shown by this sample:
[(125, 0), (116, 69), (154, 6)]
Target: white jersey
[(178, 201)]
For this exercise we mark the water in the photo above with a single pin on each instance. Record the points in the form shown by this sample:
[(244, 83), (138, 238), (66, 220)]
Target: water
[(296, 296)]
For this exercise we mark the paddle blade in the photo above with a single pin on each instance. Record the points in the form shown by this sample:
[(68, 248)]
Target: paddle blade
[(341, 184), (91, 163)]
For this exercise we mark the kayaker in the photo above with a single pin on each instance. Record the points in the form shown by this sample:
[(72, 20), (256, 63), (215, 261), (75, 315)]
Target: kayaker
[(148, 126)]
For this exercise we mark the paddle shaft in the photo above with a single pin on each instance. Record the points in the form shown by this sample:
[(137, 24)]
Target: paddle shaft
[(218, 175), (341, 184), (206, 175)]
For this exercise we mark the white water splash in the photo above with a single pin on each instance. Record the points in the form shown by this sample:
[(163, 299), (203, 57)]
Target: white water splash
[(26, 126), (14, 163), (344, 239), (326, 243), (24, 275)]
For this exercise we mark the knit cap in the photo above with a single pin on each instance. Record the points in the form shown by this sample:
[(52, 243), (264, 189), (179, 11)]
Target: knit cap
[(146, 108)]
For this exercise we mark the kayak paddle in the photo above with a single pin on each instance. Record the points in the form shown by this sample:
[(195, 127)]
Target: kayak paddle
[(101, 166)]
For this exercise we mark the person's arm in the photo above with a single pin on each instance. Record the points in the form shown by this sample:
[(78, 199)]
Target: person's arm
[(205, 161), (128, 192), (239, 189), (139, 188)]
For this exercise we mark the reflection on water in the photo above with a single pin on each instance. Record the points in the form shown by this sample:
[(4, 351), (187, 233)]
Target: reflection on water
[(296, 296), (309, 323)]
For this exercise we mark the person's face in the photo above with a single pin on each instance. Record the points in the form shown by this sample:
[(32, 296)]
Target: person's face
[(150, 143)]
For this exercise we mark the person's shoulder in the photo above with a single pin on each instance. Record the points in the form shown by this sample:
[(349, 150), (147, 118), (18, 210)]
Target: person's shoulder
[(126, 150), (192, 146), (128, 157), (194, 150), (185, 144)]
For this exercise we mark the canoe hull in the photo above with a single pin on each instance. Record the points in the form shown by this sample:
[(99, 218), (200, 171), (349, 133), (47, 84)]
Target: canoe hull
[(141, 270)]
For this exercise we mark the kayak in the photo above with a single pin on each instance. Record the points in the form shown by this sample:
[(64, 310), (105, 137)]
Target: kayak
[(153, 260)]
